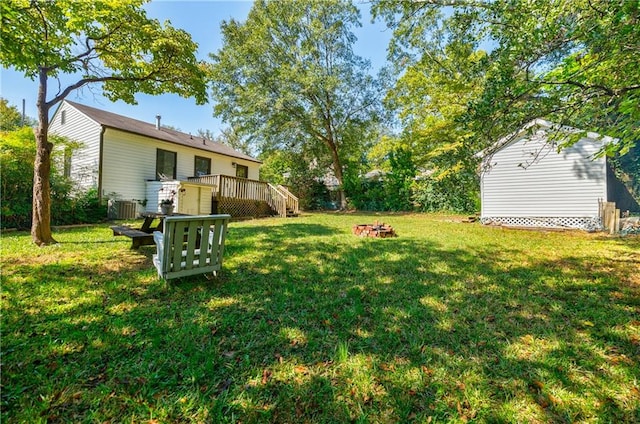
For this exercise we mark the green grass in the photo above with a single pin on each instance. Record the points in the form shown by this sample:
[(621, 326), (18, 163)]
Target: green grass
[(449, 322)]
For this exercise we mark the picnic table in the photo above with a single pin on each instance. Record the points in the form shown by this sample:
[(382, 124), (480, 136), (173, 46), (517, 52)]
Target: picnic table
[(143, 236)]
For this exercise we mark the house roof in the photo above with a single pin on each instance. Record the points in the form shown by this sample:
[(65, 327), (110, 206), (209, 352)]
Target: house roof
[(545, 125), (119, 122)]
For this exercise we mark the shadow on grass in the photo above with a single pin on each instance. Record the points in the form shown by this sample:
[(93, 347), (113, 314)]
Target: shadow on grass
[(307, 326)]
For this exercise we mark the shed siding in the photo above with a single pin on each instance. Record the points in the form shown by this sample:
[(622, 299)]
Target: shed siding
[(79, 128), (129, 160), (529, 178)]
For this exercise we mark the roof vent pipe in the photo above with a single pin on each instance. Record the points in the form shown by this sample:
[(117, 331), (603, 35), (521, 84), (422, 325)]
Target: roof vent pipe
[(158, 122)]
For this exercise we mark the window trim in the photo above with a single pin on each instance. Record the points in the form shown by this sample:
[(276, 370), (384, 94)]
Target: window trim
[(195, 165), (245, 167), (175, 162)]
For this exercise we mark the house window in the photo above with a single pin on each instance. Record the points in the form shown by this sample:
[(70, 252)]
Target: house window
[(242, 171), (202, 166), (166, 164), (63, 117)]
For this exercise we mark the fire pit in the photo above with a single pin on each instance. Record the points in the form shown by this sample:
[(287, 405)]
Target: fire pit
[(373, 230)]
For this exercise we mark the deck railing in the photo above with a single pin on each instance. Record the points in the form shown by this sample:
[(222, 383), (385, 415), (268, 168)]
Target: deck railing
[(213, 180), (226, 186)]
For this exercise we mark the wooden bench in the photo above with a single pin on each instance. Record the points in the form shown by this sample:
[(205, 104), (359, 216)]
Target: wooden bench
[(138, 237), (190, 245)]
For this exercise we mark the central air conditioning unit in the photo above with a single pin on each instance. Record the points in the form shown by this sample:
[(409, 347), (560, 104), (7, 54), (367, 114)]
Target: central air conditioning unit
[(122, 209)]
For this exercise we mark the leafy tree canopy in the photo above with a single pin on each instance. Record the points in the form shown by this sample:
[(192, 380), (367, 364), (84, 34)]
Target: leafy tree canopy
[(112, 43), (574, 62), (432, 98), (289, 76)]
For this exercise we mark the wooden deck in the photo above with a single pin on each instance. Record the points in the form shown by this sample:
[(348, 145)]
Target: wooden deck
[(244, 197)]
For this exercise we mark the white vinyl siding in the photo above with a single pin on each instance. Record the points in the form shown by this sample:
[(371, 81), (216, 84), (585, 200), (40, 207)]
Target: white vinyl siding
[(529, 178), (129, 160), (79, 128), (190, 199)]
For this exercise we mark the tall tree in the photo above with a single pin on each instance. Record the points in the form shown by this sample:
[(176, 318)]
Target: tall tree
[(432, 98), (112, 43), (572, 61), (289, 75)]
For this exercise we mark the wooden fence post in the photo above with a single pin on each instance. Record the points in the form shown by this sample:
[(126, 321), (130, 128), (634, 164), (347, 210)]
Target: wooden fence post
[(611, 217)]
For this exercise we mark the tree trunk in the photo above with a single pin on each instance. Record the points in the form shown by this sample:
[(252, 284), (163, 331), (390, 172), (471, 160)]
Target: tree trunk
[(41, 222), (337, 171), (343, 198)]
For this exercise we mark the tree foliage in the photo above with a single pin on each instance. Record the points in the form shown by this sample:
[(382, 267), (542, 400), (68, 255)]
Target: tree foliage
[(298, 171), (571, 61), (231, 137), (431, 98), (10, 117), (390, 191), (109, 42), (17, 155), (112, 43), (289, 76)]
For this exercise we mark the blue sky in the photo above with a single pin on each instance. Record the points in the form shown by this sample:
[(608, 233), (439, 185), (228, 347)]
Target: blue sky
[(202, 20)]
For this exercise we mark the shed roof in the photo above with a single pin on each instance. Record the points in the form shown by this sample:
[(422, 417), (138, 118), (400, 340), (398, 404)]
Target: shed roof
[(123, 123), (547, 126)]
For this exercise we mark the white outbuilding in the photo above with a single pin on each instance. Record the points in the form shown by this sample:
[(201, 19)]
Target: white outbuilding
[(527, 181)]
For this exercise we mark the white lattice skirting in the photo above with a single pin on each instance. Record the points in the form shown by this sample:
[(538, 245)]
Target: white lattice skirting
[(582, 223)]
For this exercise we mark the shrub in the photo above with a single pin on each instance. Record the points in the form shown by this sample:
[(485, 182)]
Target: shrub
[(302, 178), (452, 194), (391, 193), (17, 155), (366, 195), (84, 207)]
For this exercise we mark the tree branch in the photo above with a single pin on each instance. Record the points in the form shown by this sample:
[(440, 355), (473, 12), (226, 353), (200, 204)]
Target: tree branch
[(85, 81), (584, 87)]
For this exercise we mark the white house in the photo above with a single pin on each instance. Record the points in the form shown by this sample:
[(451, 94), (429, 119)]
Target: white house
[(140, 163), (527, 182)]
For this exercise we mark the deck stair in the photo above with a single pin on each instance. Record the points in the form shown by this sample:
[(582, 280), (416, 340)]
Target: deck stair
[(292, 209)]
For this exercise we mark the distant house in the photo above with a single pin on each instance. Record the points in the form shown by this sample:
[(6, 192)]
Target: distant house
[(527, 182), (139, 163)]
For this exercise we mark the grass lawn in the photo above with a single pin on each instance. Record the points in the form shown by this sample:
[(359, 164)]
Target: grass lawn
[(449, 322)]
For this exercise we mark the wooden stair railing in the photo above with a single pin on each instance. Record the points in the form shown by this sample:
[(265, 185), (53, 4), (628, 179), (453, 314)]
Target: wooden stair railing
[(292, 201), (278, 200)]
